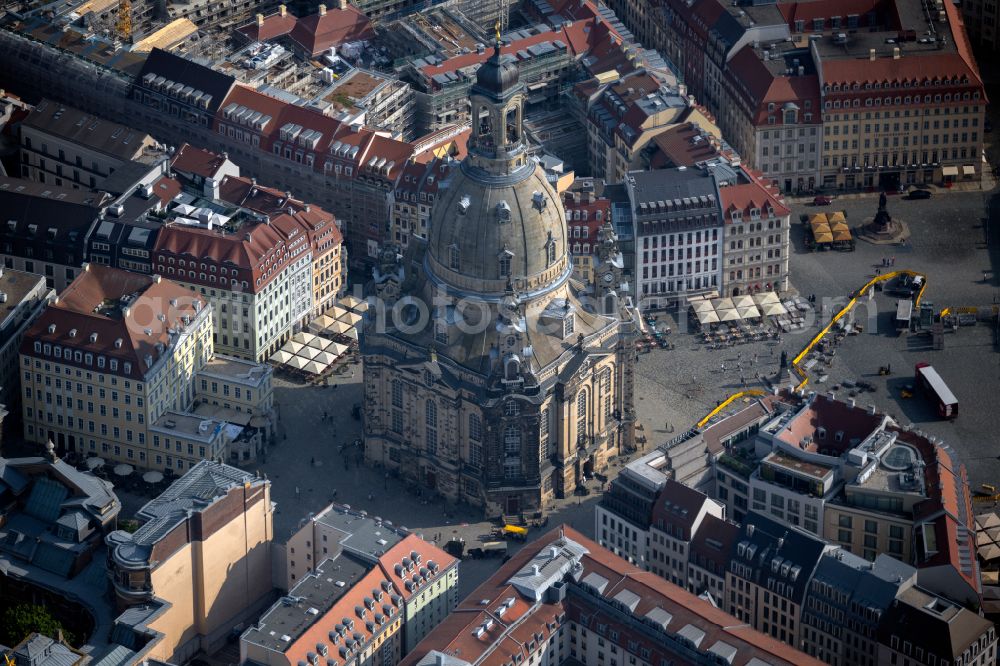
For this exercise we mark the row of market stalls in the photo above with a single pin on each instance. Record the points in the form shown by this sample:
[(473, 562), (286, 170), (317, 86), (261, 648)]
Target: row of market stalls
[(831, 231), (330, 337), (737, 308)]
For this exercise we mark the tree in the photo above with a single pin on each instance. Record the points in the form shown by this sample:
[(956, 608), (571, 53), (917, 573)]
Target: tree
[(20, 620)]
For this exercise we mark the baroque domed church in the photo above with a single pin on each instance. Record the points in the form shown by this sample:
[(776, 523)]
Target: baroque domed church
[(488, 378)]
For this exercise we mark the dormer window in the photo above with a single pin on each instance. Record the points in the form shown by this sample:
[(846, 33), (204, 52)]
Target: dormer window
[(454, 259), (503, 212), (504, 264)]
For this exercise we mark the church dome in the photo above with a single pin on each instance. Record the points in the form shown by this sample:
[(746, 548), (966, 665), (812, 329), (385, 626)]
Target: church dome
[(487, 230)]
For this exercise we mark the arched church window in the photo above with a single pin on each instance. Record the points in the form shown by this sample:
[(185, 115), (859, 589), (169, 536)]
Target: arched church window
[(454, 258), (511, 408), (512, 128), (484, 121), (505, 265), (581, 415)]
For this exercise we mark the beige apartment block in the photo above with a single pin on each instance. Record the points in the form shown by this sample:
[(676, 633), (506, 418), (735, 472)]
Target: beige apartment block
[(204, 552), (107, 358)]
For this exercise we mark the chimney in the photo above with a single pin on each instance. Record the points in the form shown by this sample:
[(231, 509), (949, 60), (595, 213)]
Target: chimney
[(282, 10), (871, 54), (341, 4), (322, 10), (895, 53), (260, 20)]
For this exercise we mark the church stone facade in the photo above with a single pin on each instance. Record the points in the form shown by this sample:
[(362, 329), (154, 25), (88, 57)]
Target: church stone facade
[(488, 377)]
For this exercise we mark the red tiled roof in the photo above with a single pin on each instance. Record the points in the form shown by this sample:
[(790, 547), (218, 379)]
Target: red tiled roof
[(274, 26), (683, 145), (510, 633), (317, 33), (197, 161), (833, 416), (333, 133), (76, 316), (745, 196)]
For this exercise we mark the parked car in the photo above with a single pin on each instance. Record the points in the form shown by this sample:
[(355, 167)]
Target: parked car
[(822, 200), (919, 194)]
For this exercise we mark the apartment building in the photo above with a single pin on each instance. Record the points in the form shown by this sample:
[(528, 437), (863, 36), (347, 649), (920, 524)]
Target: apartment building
[(854, 477), (23, 297), (376, 598), (413, 198), (848, 597), (679, 232), (783, 581), (769, 574), (65, 147), (563, 599), (756, 244), (921, 628), (46, 228), (124, 346), (840, 99), (115, 353), (314, 35), (586, 213), (677, 515), (211, 527)]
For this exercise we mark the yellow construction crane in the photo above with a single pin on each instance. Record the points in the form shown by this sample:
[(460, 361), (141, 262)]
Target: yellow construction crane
[(123, 25)]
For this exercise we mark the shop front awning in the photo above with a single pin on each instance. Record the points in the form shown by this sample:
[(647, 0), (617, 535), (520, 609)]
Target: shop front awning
[(969, 170), (949, 171)]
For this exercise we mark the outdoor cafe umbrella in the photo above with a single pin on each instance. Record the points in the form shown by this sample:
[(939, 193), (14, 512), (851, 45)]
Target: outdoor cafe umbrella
[(820, 227), (292, 347), (842, 235), (152, 477), (321, 322), (765, 297), (351, 318), (749, 312), (338, 327), (336, 312), (988, 520), (326, 358), (723, 304), (702, 306), (123, 469), (728, 315), (743, 301), (349, 301), (281, 356), (824, 237), (361, 306), (353, 333), (297, 362), (308, 353), (837, 217), (708, 317), (314, 367), (817, 217), (94, 463), (337, 349), (773, 309)]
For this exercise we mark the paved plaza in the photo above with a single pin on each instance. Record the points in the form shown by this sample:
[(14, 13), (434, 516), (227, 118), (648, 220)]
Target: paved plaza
[(675, 388)]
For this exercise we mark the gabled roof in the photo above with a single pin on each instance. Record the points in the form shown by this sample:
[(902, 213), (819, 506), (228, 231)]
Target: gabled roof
[(319, 32), (198, 161), (181, 70), (113, 313)]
